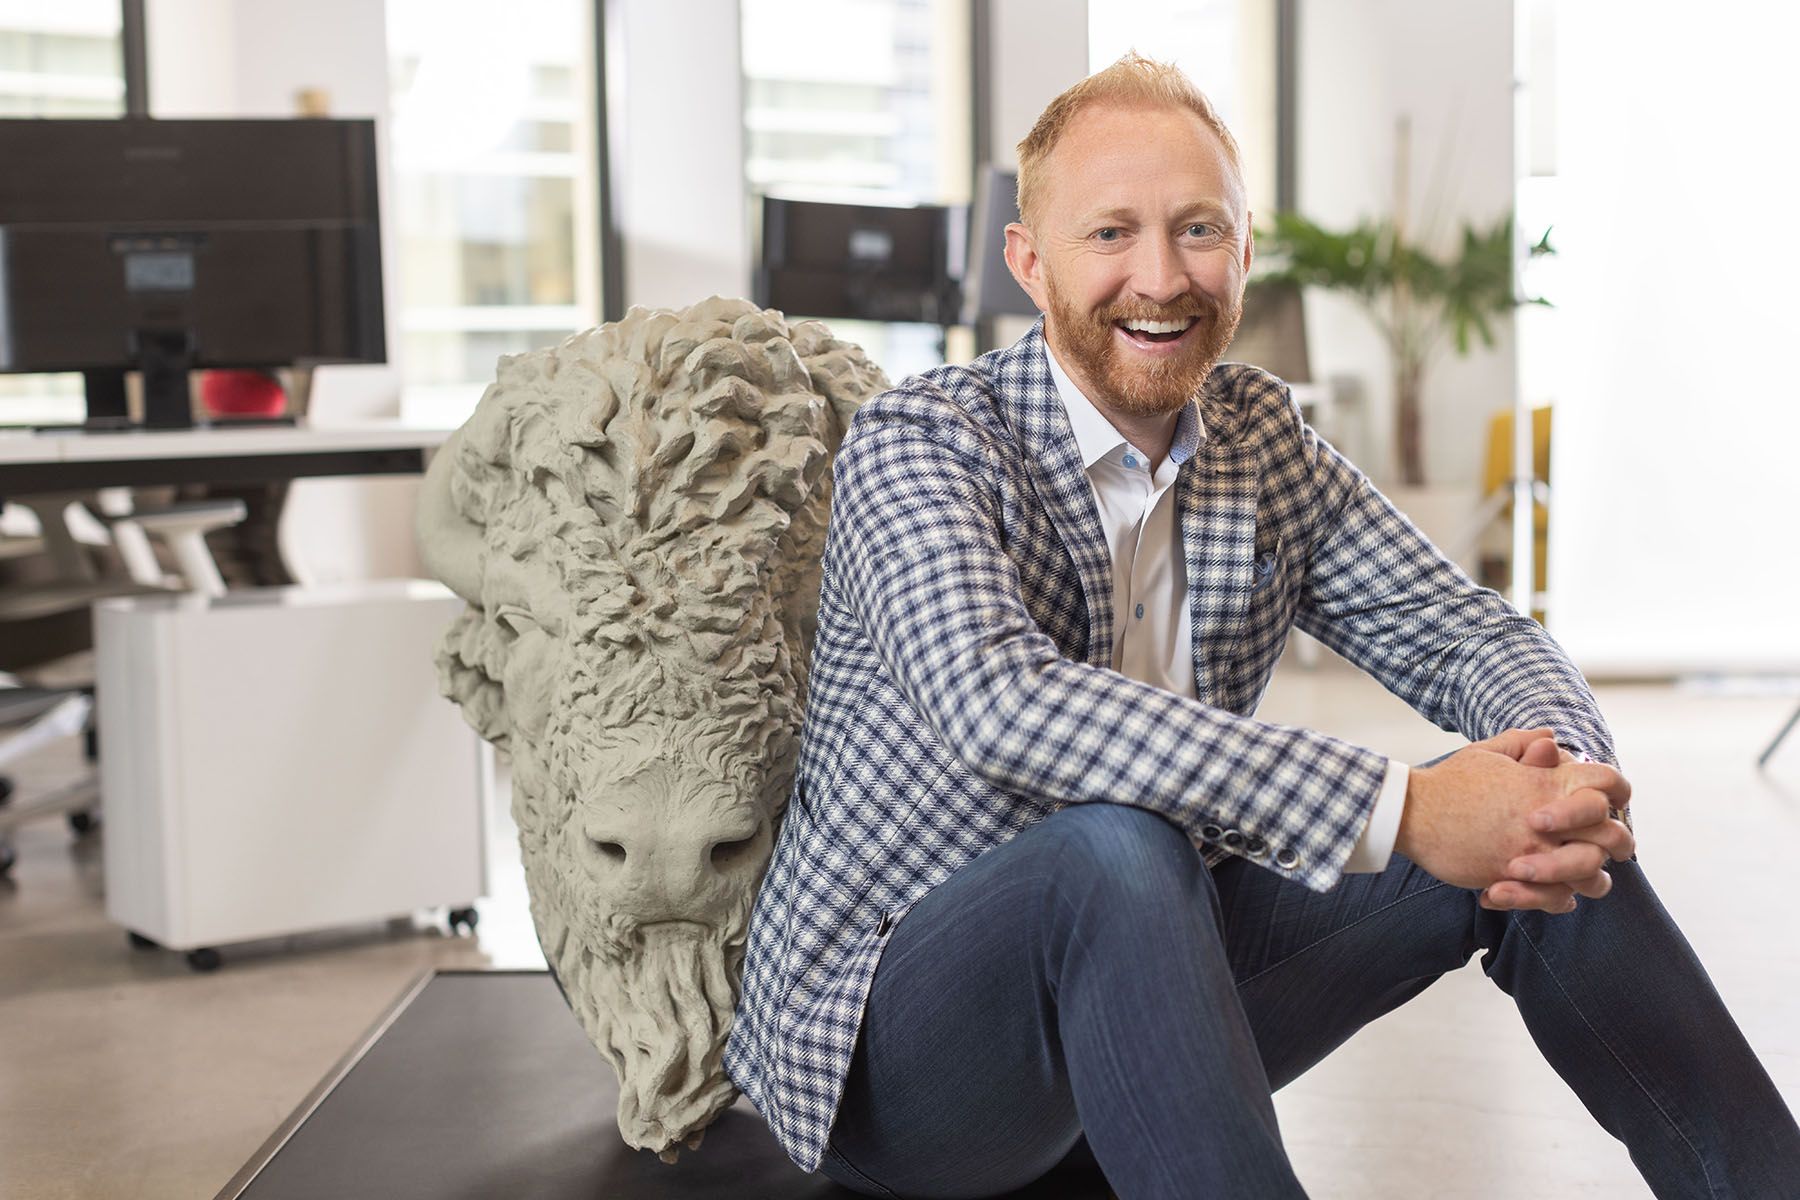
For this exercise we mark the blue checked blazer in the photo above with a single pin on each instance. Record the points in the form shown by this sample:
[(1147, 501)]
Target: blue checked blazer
[(961, 688)]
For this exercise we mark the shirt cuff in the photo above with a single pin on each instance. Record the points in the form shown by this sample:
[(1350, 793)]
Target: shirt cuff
[(1376, 844)]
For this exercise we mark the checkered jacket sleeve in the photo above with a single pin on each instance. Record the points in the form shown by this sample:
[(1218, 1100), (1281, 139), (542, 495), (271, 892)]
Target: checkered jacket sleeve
[(1380, 594), (920, 516)]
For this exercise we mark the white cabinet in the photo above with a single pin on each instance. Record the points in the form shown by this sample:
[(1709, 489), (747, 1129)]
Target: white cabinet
[(279, 760)]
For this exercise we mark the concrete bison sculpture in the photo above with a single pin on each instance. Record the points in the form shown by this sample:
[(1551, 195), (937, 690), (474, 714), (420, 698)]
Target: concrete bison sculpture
[(635, 518)]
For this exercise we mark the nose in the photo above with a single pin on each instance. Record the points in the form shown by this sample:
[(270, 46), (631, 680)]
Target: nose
[(664, 869), (1157, 271)]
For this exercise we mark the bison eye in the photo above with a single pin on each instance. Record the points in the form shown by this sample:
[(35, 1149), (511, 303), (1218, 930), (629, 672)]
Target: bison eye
[(611, 850), (724, 854), (514, 621)]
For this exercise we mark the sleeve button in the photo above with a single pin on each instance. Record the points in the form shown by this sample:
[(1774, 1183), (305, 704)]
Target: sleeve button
[(1255, 847), (1211, 833), (1233, 839), (1285, 857)]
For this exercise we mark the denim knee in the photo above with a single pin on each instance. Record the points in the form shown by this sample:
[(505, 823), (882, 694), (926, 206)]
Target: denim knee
[(1139, 855)]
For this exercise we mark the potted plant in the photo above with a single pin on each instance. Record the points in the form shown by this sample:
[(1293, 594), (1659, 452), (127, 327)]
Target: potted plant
[(1416, 299)]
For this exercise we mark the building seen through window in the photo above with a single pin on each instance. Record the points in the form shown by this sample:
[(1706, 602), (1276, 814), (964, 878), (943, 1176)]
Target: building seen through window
[(860, 102), (494, 208)]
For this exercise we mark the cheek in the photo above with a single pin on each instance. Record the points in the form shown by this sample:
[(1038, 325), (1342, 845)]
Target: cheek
[(530, 681)]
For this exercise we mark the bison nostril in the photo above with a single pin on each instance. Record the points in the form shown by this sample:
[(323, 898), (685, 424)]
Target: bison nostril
[(611, 850), (724, 854)]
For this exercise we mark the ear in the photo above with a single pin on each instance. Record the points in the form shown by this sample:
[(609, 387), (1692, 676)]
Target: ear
[(1026, 267), (1249, 240)]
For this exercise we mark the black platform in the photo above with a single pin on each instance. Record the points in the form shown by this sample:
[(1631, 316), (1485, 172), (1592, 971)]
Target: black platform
[(481, 1084)]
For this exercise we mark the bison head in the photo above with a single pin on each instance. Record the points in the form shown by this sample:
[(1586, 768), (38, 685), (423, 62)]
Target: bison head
[(635, 518)]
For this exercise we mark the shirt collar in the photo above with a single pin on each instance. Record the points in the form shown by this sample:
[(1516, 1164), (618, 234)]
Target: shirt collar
[(1095, 436)]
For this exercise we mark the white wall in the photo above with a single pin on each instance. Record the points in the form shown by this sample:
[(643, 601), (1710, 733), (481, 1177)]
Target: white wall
[(676, 95), (1675, 534), (1363, 63), (210, 58)]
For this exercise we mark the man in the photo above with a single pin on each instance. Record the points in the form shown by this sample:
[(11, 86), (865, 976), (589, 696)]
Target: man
[(1055, 585)]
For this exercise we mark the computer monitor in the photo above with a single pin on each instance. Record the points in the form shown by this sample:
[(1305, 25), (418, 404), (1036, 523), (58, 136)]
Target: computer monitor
[(166, 246), (859, 261)]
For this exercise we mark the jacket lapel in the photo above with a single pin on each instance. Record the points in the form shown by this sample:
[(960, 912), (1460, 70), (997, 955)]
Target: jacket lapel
[(1215, 496), (1041, 425)]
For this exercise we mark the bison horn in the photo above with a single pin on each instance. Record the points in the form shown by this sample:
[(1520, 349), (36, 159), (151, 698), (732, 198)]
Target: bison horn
[(450, 544)]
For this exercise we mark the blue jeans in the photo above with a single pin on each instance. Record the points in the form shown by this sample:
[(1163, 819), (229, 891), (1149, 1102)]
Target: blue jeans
[(1090, 993)]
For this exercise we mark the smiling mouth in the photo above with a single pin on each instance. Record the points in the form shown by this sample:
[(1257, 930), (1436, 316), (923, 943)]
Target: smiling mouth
[(1155, 333)]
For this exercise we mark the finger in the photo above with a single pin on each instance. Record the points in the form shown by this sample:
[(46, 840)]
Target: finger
[(1565, 864), (1594, 886), (1547, 897), (1512, 742), (1601, 778), (1544, 752), (1610, 834), (1573, 811)]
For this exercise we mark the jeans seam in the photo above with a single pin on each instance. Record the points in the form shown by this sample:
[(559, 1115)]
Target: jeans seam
[(856, 1170), (1344, 929), (1623, 1065)]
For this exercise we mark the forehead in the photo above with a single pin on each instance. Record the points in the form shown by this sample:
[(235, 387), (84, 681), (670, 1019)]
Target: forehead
[(1151, 159)]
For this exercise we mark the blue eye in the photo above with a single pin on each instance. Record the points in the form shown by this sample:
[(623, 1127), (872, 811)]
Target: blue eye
[(1107, 235), (1200, 230)]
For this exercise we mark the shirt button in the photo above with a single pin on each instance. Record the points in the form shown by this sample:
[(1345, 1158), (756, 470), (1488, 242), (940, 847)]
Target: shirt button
[(1140, 612)]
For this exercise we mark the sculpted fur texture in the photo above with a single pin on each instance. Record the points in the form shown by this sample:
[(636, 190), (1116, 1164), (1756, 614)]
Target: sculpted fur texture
[(635, 517)]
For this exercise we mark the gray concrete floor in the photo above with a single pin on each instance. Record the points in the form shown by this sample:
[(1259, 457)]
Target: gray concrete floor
[(123, 1074)]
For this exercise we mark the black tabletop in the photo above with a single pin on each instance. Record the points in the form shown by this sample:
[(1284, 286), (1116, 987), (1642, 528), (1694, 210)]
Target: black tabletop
[(481, 1084)]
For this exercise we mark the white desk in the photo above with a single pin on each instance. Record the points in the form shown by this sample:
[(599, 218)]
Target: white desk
[(77, 461)]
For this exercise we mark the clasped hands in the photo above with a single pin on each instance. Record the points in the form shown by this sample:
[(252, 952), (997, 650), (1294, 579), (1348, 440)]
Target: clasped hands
[(1519, 817)]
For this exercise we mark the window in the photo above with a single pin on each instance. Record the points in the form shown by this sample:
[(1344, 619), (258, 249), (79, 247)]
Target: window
[(494, 203), (860, 102)]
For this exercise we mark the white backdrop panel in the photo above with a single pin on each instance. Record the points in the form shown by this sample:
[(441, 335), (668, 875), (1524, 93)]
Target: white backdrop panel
[(1675, 539)]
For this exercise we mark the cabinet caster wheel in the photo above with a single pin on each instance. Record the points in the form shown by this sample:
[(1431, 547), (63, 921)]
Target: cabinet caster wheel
[(204, 959), (462, 920), (139, 941), (83, 823)]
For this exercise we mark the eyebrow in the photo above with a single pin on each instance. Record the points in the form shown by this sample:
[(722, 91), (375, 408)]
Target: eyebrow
[(1123, 215)]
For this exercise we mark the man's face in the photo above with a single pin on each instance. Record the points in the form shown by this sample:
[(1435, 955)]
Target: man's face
[(1137, 255)]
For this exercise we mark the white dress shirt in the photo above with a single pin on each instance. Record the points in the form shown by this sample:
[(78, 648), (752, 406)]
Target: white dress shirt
[(1152, 635)]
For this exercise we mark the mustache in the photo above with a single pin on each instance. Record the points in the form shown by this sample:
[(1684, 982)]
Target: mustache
[(1201, 308)]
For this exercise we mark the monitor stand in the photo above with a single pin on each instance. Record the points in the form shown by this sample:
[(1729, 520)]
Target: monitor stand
[(165, 357), (106, 408)]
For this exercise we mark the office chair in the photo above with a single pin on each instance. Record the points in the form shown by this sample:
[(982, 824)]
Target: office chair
[(32, 717)]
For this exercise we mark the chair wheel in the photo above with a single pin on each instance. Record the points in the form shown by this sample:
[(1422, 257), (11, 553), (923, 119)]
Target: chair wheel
[(83, 823), (139, 941), (204, 959), (462, 920)]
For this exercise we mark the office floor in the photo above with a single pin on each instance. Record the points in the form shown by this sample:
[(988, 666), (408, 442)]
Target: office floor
[(123, 1075)]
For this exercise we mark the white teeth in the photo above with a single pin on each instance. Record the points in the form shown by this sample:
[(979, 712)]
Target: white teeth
[(1160, 326)]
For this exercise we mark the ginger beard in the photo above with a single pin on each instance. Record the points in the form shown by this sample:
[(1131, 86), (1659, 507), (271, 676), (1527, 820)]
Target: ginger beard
[(1142, 387)]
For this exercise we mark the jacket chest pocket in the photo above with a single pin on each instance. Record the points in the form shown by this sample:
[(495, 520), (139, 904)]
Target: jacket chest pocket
[(1268, 614)]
